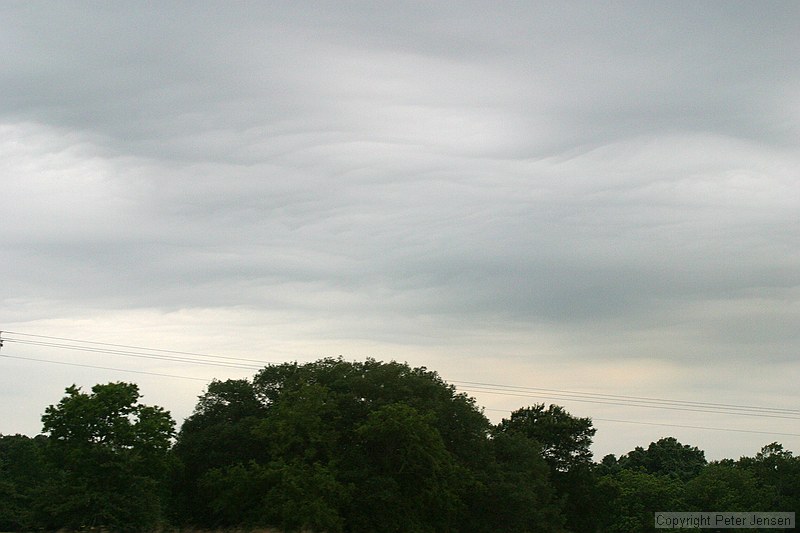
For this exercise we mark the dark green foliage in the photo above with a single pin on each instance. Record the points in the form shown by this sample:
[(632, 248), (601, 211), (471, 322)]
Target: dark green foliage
[(669, 476), (726, 486), (667, 456), (779, 471), (362, 446), (23, 470), (563, 441), (609, 465), (632, 498), (644, 481), (217, 435), (355, 447), (399, 463), (514, 493), (109, 454), (292, 496)]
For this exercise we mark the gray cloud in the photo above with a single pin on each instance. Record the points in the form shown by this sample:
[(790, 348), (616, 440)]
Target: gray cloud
[(577, 188)]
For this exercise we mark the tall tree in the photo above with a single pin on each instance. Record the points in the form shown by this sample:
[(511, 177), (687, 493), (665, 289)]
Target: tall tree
[(345, 446), (112, 453), (564, 442)]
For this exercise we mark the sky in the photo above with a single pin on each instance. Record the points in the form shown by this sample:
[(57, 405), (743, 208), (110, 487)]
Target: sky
[(594, 197)]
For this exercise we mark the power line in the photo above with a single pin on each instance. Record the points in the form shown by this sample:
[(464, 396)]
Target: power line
[(629, 404), (138, 354), (661, 424), (474, 387), (643, 399), (159, 374), (140, 348), (102, 367), (697, 427)]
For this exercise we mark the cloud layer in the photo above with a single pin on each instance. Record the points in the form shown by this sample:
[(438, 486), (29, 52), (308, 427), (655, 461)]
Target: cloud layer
[(540, 195)]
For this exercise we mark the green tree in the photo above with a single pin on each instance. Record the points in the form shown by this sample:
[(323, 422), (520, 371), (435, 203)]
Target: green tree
[(724, 485), (608, 465), (633, 496), (666, 457), (779, 471), (23, 471), (112, 455), (218, 434), (333, 445), (514, 493), (284, 474), (564, 442), (293, 496), (403, 467), (343, 414)]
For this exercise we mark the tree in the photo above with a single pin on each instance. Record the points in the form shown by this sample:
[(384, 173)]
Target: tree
[(334, 445), (779, 471), (563, 441), (22, 473), (726, 485), (632, 498), (283, 473), (608, 465), (667, 457), (111, 453), (404, 468), (218, 434), (514, 493)]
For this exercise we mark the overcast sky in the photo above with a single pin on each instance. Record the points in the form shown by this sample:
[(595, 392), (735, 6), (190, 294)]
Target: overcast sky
[(582, 196)]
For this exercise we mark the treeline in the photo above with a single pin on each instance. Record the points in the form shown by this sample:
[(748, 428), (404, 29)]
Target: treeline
[(341, 446)]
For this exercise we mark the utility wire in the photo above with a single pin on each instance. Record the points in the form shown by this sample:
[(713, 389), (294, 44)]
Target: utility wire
[(139, 348), (102, 367), (661, 424), (697, 427), (467, 386), (643, 399), (658, 424), (143, 355), (629, 404), (475, 387)]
